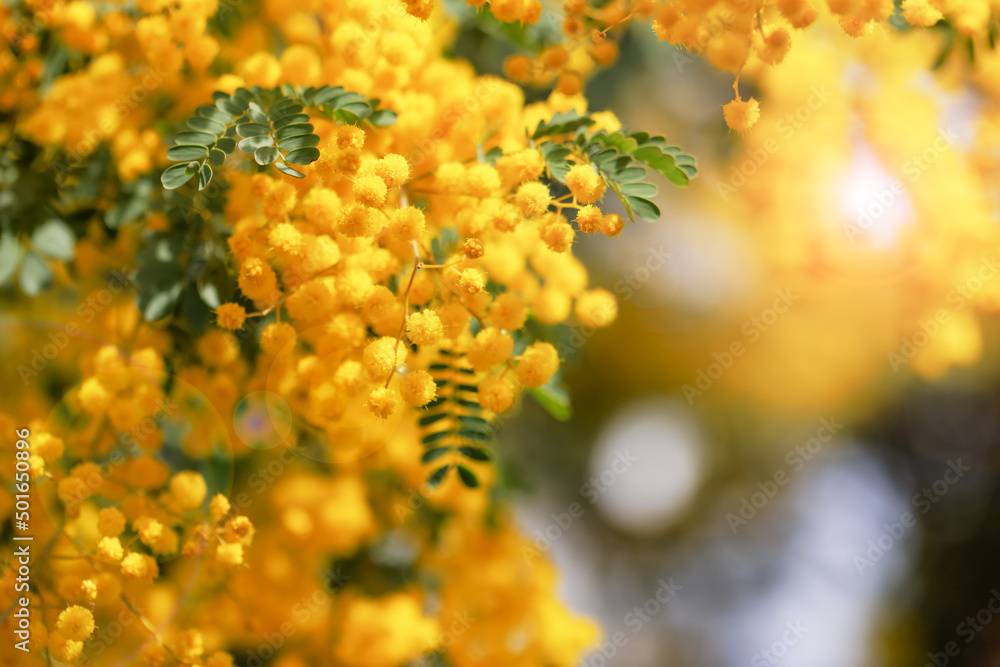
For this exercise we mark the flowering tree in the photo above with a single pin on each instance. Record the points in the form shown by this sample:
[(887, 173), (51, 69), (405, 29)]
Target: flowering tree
[(277, 273)]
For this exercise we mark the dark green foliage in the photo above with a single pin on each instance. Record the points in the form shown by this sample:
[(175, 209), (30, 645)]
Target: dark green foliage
[(269, 124), (620, 159)]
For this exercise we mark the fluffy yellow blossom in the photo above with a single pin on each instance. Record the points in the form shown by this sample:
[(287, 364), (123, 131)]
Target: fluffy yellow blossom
[(381, 356), (539, 362), (424, 328), (418, 388), (585, 184), (382, 402), (75, 623), (230, 316), (496, 394)]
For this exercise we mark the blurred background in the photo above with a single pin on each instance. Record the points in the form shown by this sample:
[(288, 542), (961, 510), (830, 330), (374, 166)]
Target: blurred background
[(784, 452)]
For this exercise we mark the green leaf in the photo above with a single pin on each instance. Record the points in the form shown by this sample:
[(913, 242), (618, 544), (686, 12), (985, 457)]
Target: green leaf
[(252, 130), (474, 453), (35, 274), (554, 398), (186, 153), (383, 118), (359, 109), (467, 476), (325, 94), (303, 156), (434, 454), (197, 314), (176, 176), (204, 176), (10, 253), (55, 239), (561, 123), (436, 477), (290, 120), (213, 113), (288, 171), (265, 155), (294, 131), (125, 212), (290, 109), (159, 278), (639, 189), (206, 125), (253, 143), (257, 114), (216, 157), (202, 138), (215, 286), (301, 141), (230, 108), (644, 208), (226, 144)]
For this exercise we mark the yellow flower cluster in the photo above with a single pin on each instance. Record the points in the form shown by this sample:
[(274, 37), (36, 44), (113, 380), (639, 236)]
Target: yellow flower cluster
[(733, 35), (402, 247)]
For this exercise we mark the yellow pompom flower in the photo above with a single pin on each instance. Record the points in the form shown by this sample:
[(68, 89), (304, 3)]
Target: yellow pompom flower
[(418, 388), (257, 279), (407, 224), (491, 346), (230, 316), (110, 549), (357, 220), (47, 446), (496, 394), (381, 356), (188, 489), (139, 567), (596, 308), (508, 311), (75, 623), (473, 248), (276, 337), (63, 648), (558, 234), (370, 190), (219, 507), (229, 554), (382, 402), (539, 362), (741, 115), (585, 184), (588, 219), (424, 328), (472, 281), (612, 225), (110, 522), (533, 199), (393, 169)]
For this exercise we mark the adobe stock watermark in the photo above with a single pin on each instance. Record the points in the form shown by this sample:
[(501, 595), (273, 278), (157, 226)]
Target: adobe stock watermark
[(785, 127), (882, 200), (636, 620), (959, 296), (752, 329), (772, 655), (967, 630), (922, 502), (767, 489), (591, 490)]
